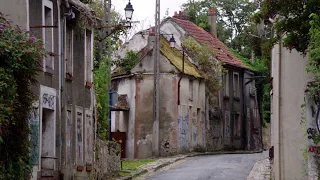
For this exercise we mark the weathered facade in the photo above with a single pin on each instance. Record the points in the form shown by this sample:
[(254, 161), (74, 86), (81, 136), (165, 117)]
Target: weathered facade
[(236, 123), (62, 123), (193, 124), (182, 126), (288, 128)]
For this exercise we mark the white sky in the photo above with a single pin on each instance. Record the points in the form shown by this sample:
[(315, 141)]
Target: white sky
[(144, 10)]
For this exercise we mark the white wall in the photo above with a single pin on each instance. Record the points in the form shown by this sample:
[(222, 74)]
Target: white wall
[(289, 83)]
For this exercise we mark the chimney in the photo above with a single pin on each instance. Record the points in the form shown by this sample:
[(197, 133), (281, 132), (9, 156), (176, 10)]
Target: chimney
[(180, 15), (212, 20)]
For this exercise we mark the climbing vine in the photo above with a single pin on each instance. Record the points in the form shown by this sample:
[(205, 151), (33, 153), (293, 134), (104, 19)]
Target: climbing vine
[(210, 68), (20, 55), (125, 64)]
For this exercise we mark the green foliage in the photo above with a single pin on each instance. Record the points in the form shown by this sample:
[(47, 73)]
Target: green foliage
[(210, 68), (293, 20), (101, 82), (130, 59), (20, 55)]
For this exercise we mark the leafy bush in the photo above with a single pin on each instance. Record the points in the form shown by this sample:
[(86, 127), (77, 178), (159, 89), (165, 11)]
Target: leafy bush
[(20, 55)]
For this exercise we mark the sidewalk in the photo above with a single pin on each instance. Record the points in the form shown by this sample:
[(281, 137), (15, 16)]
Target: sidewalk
[(260, 171), (163, 162)]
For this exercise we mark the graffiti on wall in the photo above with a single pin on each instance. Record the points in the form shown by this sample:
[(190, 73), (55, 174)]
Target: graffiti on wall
[(48, 101), (88, 136), (68, 138), (79, 135), (183, 129), (227, 125), (194, 129), (237, 125), (248, 129), (34, 134)]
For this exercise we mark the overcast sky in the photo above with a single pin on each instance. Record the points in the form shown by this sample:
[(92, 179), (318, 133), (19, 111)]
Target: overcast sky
[(144, 10)]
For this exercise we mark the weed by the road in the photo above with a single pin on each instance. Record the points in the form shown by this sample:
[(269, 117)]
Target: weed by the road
[(134, 164)]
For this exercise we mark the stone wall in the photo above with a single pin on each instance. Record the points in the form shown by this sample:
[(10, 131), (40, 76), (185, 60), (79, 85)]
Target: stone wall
[(107, 159)]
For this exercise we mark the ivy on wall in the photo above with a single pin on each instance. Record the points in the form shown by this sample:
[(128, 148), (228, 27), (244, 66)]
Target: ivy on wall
[(20, 55)]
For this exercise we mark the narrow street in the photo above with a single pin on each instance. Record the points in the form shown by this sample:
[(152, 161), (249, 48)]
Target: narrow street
[(213, 167)]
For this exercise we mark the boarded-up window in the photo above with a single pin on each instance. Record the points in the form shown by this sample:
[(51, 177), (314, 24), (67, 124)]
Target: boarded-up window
[(237, 124), (69, 50), (88, 56), (236, 85), (226, 84), (190, 89)]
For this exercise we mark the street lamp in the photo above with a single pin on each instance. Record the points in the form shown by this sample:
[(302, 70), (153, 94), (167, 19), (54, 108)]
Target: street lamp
[(129, 11), (172, 42)]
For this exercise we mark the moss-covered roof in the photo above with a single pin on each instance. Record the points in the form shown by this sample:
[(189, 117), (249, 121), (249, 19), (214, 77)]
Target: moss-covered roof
[(175, 57)]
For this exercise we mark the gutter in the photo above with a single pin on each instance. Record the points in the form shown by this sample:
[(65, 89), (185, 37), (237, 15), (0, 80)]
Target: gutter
[(181, 77)]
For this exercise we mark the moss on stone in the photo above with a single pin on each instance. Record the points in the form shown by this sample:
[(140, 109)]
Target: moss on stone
[(175, 57)]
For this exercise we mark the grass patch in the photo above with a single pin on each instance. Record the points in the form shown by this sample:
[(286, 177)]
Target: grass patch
[(134, 164)]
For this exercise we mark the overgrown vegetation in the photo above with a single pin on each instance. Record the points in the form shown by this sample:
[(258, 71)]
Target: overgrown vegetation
[(20, 55), (125, 64), (210, 69)]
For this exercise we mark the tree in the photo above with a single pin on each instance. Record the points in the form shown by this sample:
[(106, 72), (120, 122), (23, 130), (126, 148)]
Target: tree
[(293, 20), (20, 54)]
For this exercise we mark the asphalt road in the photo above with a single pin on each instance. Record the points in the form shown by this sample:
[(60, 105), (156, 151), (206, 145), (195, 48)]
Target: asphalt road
[(215, 167)]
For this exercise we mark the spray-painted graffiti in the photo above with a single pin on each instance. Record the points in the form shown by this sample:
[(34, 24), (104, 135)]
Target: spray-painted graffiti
[(183, 126), (79, 135), (227, 125), (237, 125), (48, 101), (311, 133), (34, 134), (248, 129), (89, 137), (68, 139)]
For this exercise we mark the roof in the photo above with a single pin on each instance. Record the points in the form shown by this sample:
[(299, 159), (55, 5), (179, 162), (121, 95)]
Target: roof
[(202, 36), (175, 57)]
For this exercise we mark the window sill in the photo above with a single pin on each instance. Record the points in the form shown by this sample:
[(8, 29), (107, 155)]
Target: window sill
[(80, 168), (88, 84), (236, 98), (49, 71), (69, 77), (89, 168)]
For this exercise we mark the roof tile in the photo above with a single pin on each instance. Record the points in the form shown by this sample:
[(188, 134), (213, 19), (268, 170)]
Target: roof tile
[(202, 36)]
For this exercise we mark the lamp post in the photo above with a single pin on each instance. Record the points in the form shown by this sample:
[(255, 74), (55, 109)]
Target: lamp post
[(102, 36)]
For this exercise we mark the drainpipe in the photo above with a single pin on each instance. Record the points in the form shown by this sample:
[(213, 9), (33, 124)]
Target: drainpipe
[(181, 77), (245, 107)]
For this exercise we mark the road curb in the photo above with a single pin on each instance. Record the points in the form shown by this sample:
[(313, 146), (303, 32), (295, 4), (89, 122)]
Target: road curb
[(164, 164)]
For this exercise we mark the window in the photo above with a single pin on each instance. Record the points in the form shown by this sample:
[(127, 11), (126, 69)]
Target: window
[(47, 34), (236, 85), (190, 89), (69, 52), (88, 56), (226, 84)]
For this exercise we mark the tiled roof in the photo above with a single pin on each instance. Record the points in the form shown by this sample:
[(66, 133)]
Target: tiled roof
[(203, 36)]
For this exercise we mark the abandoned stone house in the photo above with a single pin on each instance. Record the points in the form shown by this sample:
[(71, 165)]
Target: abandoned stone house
[(181, 126), (238, 125), (193, 124), (62, 124)]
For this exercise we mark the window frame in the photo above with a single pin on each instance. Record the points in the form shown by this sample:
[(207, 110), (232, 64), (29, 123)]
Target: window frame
[(47, 4), (226, 90), (70, 58), (191, 89), (88, 78), (236, 86)]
